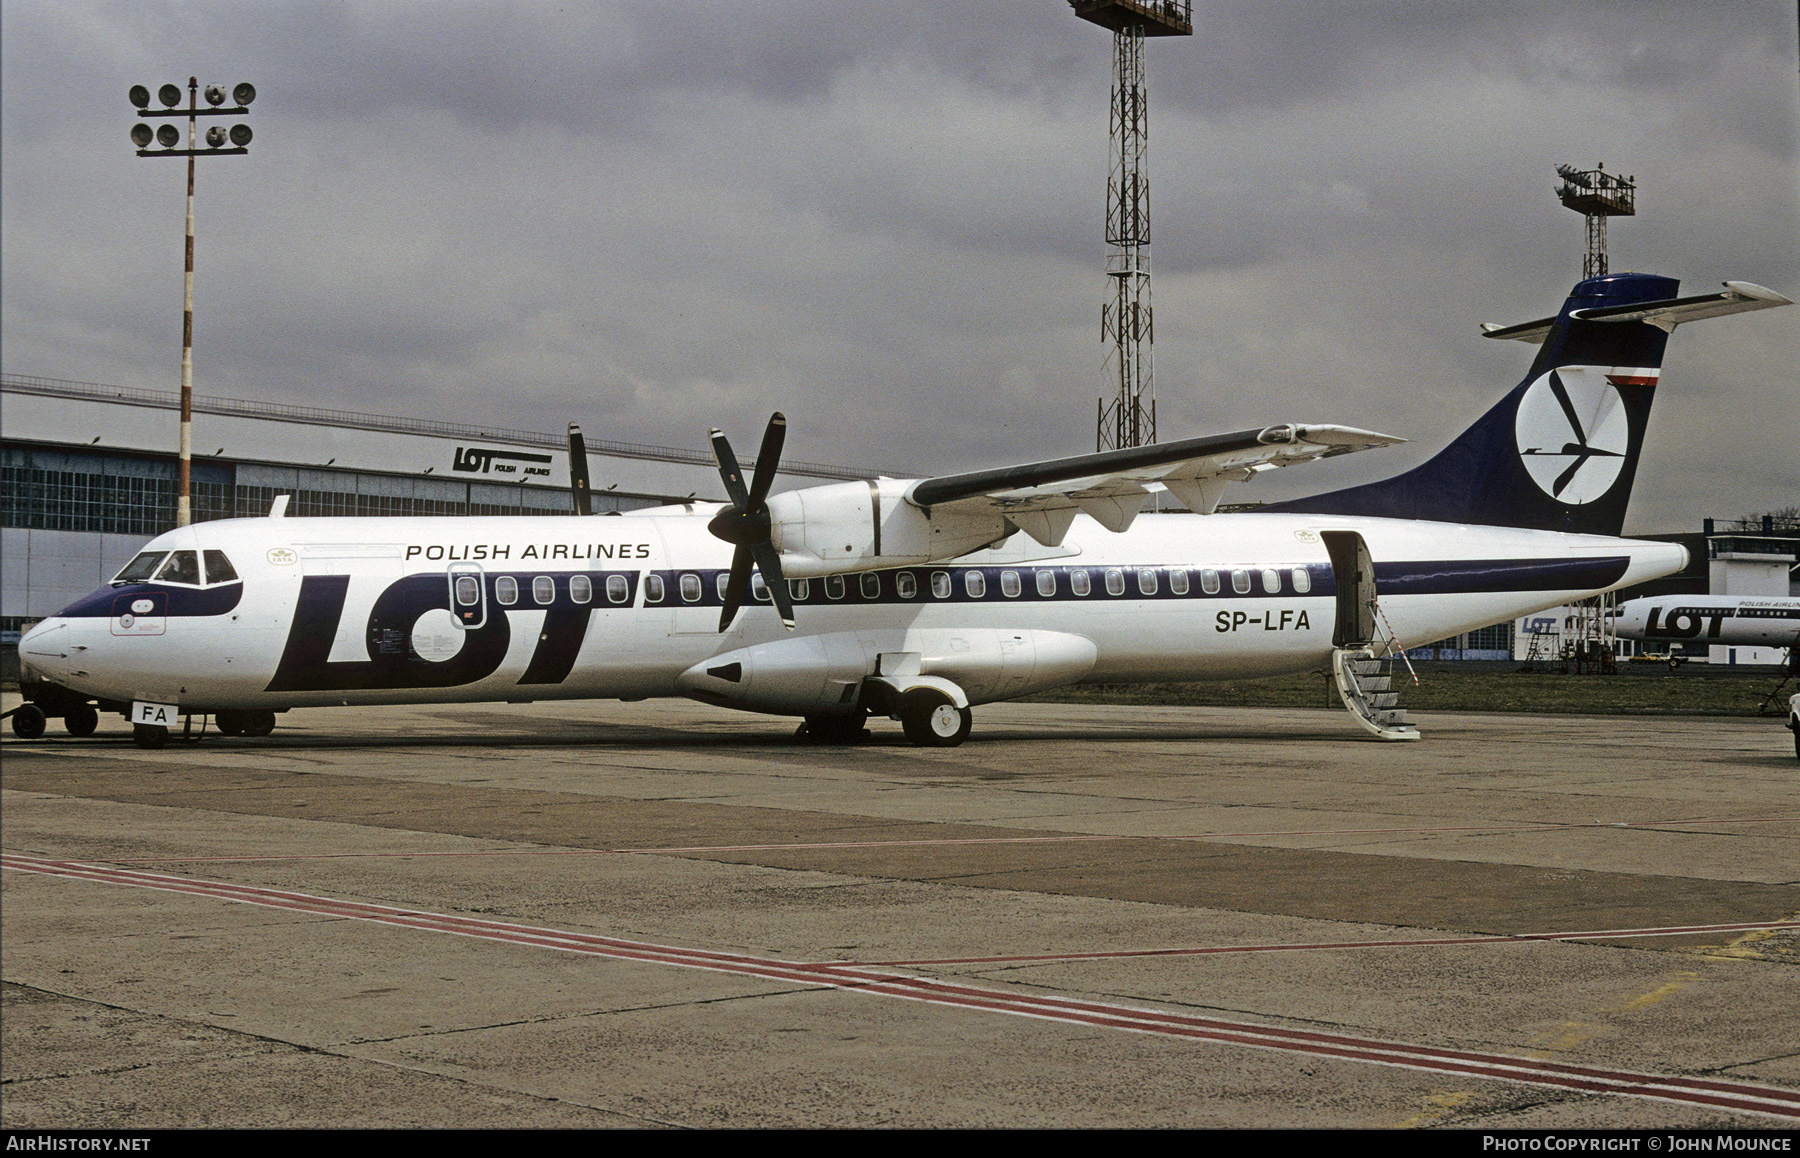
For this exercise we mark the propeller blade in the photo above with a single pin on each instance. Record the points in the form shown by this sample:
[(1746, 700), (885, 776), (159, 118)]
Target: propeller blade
[(735, 585), (578, 472), (768, 561), (768, 458), (729, 470)]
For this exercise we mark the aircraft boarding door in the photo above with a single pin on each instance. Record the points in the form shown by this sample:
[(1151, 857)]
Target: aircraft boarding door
[(468, 595), (1354, 572)]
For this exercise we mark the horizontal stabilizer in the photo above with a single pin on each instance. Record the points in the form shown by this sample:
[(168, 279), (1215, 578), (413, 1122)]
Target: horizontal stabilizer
[(1106, 483), (1739, 297)]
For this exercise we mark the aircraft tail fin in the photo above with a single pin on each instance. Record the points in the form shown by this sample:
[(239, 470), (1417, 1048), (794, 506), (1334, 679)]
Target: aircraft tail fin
[(1560, 451)]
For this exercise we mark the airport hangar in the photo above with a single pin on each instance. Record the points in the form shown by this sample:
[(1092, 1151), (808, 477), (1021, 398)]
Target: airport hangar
[(89, 475)]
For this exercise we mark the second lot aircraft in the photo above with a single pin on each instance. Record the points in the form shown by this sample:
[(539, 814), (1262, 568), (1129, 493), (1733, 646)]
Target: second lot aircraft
[(914, 599)]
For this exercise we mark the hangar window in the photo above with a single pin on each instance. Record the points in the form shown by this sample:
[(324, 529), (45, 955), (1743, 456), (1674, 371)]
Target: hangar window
[(871, 585), (506, 590), (543, 589), (799, 588), (1146, 581), (1240, 581), (975, 583), (1209, 581), (219, 568), (834, 586), (182, 567), (140, 568), (1115, 581), (1009, 584), (1301, 580), (653, 589), (940, 584), (906, 584), (1046, 583), (617, 589), (1079, 583), (690, 587), (581, 589), (1271, 581), (1178, 580)]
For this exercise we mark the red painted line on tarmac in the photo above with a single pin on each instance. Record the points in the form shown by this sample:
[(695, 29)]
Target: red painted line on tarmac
[(1313, 946), (1074, 838), (1738, 1096)]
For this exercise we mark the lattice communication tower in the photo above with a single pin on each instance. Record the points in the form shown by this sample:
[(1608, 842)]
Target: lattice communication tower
[(1127, 320), (1596, 195)]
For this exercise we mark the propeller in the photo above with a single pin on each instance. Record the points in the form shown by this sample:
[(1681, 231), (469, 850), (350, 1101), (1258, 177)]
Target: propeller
[(745, 524), (578, 472)]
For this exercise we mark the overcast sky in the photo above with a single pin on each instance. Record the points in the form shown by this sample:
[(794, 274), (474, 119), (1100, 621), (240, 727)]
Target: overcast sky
[(884, 218)]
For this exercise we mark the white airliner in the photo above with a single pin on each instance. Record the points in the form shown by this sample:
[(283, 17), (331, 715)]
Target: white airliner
[(913, 599), (1736, 620)]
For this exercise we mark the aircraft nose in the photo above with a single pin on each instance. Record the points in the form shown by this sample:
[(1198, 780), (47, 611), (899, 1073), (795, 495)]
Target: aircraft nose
[(48, 648)]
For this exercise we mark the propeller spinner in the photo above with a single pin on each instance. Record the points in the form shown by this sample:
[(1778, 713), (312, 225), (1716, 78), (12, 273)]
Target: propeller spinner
[(745, 524)]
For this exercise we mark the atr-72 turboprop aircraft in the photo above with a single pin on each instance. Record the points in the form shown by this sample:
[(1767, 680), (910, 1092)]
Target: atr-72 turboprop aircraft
[(908, 598)]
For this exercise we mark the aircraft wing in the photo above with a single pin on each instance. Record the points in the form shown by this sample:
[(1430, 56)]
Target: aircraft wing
[(1739, 297), (1112, 485)]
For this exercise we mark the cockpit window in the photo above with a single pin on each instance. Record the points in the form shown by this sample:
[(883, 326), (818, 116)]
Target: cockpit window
[(141, 568), (182, 567), (219, 568)]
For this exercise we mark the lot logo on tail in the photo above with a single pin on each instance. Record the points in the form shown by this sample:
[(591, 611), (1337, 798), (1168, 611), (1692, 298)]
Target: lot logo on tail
[(1573, 433)]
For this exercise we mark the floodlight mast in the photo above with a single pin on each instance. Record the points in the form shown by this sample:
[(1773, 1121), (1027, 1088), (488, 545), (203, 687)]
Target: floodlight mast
[(1596, 195), (168, 136), (1127, 321)]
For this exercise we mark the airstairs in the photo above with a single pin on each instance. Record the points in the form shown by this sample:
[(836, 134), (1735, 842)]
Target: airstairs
[(1365, 681)]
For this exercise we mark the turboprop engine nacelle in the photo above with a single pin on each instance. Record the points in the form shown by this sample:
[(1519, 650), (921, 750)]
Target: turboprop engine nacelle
[(865, 526)]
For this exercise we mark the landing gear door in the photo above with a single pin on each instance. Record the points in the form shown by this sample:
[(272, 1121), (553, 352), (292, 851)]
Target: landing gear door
[(468, 595), (1354, 571)]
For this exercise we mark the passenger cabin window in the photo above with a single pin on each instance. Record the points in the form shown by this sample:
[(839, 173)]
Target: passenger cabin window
[(468, 591), (906, 584), (1046, 583), (834, 586), (1079, 582), (799, 588), (543, 589), (871, 585), (940, 584), (1271, 581), (654, 589), (1301, 579), (1009, 584), (690, 587), (1209, 581), (581, 589), (975, 583), (506, 590), (617, 589), (1240, 581), (759, 590), (141, 568), (1178, 581), (1115, 581), (219, 568), (182, 567), (722, 583), (1146, 581)]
